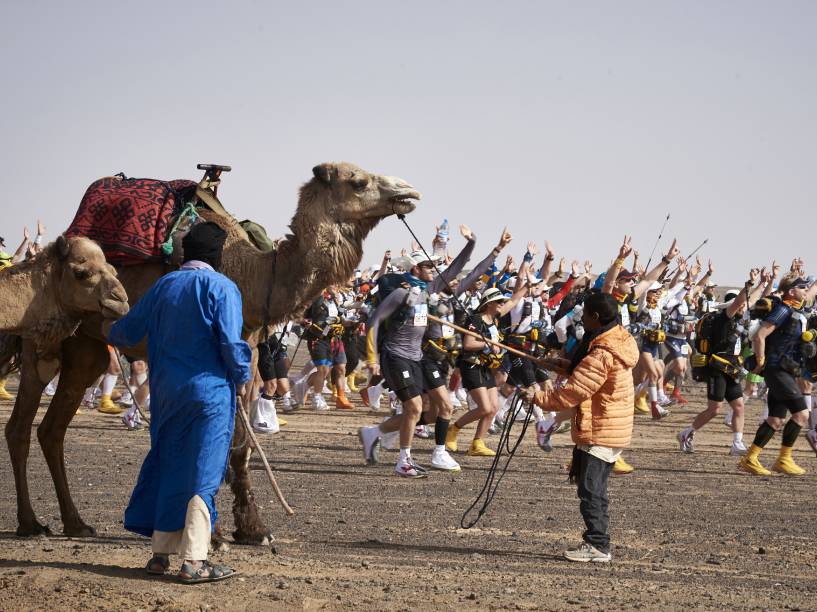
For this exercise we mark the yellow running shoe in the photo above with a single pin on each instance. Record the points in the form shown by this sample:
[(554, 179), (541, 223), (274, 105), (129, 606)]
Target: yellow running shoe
[(106, 406), (621, 467), (749, 463), (451, 438), (281, 422), (350, 384), (478, 449), (4, 395), (785, 463), (641, 404)]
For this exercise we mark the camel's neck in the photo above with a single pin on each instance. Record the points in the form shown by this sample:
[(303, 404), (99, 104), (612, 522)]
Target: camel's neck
[(304, 267), (30, 303)]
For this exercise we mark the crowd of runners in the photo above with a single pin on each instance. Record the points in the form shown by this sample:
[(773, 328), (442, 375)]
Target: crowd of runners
[(430, 338)]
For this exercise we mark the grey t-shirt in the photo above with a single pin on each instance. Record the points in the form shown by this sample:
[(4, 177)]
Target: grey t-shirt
[(405, 338)]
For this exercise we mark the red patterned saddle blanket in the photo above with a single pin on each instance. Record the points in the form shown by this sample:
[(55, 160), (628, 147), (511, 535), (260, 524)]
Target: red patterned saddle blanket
[(130, 217)]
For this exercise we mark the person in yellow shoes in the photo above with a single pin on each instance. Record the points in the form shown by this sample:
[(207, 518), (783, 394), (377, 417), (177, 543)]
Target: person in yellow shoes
[(598, 393), (106, 403), (778, 349), (4, 394), (479, 360)]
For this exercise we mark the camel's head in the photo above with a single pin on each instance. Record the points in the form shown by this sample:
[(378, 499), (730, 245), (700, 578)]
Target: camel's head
[(351, 194), (87, 282)]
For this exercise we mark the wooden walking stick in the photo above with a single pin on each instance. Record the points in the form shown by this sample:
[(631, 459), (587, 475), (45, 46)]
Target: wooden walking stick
[(246, 421), (510, 349)]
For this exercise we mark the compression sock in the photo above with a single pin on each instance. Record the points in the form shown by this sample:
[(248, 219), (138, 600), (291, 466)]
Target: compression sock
[(108, 383), (790, 433), (737, 437), (763, 435), (440, 431), (652, 392), (405, 455)]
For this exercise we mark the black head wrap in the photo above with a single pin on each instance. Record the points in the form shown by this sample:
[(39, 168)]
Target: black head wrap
[(204, 243)]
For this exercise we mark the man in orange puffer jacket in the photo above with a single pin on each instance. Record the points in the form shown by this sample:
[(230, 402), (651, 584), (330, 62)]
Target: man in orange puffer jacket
[(599, 394)]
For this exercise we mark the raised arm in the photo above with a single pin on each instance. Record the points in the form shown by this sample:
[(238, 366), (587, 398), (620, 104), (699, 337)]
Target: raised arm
[(654, 274), (612, 272), (483, 266), (456, 266), (521, 282), (544, 271)]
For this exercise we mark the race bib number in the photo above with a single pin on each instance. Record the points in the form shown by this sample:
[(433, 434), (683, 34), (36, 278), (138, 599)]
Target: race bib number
[(493, 333), (332, 308), (684, 349), (420, 315), (736, 350)]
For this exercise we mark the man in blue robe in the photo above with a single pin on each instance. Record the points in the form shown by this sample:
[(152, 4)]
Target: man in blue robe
[(192, 320)]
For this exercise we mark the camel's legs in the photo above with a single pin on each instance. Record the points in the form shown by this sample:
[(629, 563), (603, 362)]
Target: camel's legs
[(249, 528), (83, 361), (18, 438)]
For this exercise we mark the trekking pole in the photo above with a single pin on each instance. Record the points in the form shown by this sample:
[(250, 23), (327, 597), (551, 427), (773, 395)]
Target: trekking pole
[(657, 240), (131, 390), (691, 255), (476, 335), (248, 428)]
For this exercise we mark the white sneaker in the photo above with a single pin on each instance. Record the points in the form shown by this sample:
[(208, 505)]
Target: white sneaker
[(663, 400), (391, 440), (126, 399), (132, 421), (727, 417), (811, 436), (441, 460), (544, 430), (409, 469), (686, 441), (395, 404), (374, 397), (738, 449), (299, 391), (369, 438), (422, 431), (585, 553), (319, 403), (455, 401)]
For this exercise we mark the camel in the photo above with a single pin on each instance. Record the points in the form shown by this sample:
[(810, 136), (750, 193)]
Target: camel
[(337, 208), (45, 298)]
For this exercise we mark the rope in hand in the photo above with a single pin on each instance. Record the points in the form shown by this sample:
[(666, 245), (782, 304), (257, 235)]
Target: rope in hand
[(492, 482), (495, 473)]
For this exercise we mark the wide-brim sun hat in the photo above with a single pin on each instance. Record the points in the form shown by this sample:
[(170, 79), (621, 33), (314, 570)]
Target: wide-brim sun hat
[(491, 295)]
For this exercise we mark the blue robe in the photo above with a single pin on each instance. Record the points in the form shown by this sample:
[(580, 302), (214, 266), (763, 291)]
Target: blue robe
[(192, 319)]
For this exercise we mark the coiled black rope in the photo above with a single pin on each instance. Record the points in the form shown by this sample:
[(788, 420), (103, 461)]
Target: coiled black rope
[(495, 473)]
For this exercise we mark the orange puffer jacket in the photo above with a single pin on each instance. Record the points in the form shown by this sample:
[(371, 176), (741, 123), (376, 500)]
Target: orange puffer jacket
[(602, 388)]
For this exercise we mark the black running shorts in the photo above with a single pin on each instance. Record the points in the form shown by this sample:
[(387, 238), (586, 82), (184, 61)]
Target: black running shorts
[(327, 352), (403, 376), (721, 387), (433, 374), (784, 393), (475, 376)]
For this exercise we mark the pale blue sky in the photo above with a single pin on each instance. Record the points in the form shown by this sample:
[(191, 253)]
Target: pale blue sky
[(573, 121)]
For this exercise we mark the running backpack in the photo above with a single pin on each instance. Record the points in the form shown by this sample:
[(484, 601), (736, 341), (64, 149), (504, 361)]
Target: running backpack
[(703, 333)]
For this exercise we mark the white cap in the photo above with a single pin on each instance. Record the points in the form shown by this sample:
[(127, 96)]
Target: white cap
[(655, 286)]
